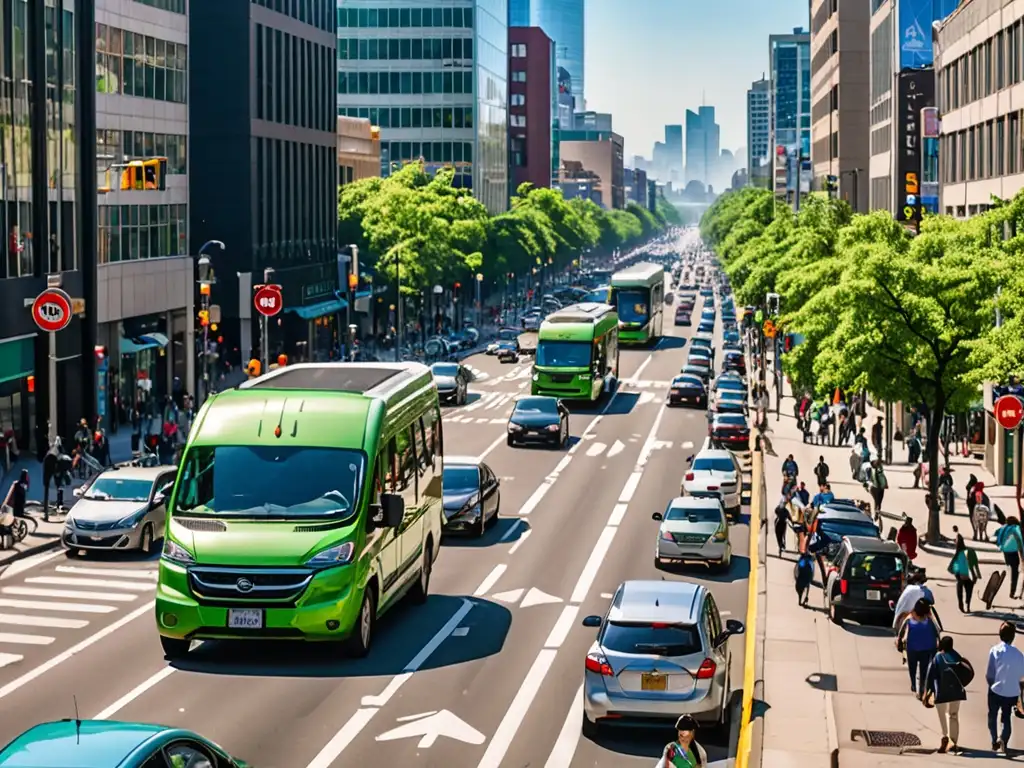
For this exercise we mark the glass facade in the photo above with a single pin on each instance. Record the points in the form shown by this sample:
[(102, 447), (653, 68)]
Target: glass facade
[(564, 22), (791, 92), (445, 102), (139, 65), (130, 232)]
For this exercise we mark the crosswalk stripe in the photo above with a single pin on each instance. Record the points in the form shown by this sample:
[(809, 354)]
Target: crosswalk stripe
[(14, 638), (498, 421), (6, 659), (109, 597), (41, 605), (482, 421), (42, 621), (65, 581), (128, 574)]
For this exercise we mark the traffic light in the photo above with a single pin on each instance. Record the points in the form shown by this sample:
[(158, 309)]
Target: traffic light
[(458, 286), (831, 182), (788, 342), (142, 175), (31, 384), (204, 317)]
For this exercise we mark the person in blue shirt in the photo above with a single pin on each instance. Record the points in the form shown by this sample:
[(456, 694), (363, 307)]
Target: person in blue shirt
[(789, 467), (804, 573), (1011, 543), (823, 496), (919, 637)]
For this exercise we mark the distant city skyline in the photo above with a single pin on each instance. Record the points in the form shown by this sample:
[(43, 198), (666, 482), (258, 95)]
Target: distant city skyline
[(564, 21)]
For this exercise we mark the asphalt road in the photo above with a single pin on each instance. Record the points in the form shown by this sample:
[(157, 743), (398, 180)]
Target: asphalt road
[(488, 672)]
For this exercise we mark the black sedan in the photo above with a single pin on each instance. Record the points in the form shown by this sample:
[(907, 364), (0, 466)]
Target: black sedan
[(452, 380), (539, 419), (687, 389), (701, 372), (730, 430), (508, 352), (472, 495)]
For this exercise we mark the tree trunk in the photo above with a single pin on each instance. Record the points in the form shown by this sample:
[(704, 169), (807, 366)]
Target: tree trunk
[(935, 416)]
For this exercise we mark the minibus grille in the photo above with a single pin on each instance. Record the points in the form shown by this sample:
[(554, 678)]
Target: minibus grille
[(248, 584)]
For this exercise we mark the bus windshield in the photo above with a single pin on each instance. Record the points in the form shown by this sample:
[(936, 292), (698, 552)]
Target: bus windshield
[(270, 482), (564, 354), (633, 304)]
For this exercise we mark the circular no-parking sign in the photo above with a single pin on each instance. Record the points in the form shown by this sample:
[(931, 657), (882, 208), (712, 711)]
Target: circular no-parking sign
[(268, 300), (1009, 411), (52, 310)]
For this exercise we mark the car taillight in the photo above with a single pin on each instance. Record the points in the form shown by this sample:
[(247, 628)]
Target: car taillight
[(843, 586), (706, 670), (689, 475), (596, 662), (712, 487)]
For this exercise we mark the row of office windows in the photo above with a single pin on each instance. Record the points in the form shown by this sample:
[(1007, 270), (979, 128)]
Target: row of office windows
[(983, 151), (294, 80), (132, 232), (174, 6), (113, 146), (404, 49), (428, 151), (139, 65), (990, 66), (412, 117), (404, 82), (406, 18), (317, 13)]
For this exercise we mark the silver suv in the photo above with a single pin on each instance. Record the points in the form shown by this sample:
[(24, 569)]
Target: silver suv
[(661, 652)]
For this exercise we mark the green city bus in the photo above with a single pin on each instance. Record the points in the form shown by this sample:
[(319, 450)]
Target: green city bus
[(325, 511), (577, 352), (638, 294)]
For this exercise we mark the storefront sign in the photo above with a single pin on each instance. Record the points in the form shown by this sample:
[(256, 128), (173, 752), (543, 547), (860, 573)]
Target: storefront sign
[(915, 91), (308, 284)]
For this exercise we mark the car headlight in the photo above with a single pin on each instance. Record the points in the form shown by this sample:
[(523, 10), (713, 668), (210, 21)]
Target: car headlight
[(536, 377), (340, 554), (722, 534), (177, 553), (514, 427), (132, 520), (554, 427)]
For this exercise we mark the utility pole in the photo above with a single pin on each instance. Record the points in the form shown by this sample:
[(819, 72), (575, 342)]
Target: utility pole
[(268, 275), (206, 280)]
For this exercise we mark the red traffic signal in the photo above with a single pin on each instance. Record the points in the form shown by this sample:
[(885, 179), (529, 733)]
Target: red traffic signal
[(457, 286)]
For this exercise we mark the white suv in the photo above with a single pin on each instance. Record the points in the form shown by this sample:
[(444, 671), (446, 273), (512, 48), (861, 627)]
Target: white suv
[(715, 472)]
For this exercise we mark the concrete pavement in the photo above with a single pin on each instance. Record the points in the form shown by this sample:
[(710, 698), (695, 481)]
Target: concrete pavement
[(825, 683), (488, 672)]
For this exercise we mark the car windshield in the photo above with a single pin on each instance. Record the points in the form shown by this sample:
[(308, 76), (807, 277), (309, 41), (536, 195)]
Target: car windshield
[(656, 639), (508, 334), (445, 369), (564, 354), (836, 529), (687, 381), (272, 482), (875, 565), (460, 479), (547, 405), (732, 420), (694, 514), (119, 489), (632, 304), (718, 464), (731, 396)]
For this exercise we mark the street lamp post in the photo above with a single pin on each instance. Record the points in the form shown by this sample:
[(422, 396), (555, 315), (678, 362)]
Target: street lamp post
[(479, 304), (206, 281)]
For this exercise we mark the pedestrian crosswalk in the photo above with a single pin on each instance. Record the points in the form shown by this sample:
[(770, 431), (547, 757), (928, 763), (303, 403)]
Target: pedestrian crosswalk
[(69, 598)]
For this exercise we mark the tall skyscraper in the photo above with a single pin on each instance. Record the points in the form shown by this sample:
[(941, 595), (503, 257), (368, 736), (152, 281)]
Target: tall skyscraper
[(563, 21), (759, 135), (702, 144), (790, 57), (674, 152)]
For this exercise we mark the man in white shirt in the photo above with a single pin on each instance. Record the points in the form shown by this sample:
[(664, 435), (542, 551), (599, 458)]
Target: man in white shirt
[(913, 592), (1003, 675)]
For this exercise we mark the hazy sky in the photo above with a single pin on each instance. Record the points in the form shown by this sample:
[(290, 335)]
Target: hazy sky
[(648, 61)]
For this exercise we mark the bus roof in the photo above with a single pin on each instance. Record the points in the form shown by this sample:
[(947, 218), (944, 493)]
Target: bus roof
[(639, 274), (578, 322)]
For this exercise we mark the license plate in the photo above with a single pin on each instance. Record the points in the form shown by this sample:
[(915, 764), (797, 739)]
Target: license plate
[(874, 594), (245, 618), (650, 681)]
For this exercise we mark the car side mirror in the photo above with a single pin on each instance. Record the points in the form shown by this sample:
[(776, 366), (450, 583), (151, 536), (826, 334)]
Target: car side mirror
[(657, 516), (594, 622), (390, 511), (158, 499), (735, 627), (77, 492), (689, 459)]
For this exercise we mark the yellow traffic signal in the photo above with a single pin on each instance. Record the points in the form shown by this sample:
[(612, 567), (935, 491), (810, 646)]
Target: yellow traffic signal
[(204, 317), (139, 175)]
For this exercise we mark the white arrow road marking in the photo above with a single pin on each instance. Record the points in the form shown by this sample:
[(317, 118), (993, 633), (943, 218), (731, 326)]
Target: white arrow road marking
[(431, 727), (512, 596), (646, 397), (536, 597), (606, 595), (617, 448), (596, 449)]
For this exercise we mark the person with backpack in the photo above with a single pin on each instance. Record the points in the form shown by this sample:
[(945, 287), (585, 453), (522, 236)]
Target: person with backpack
[(964, 567), (1011, 543), (685, 752), (949, 674)]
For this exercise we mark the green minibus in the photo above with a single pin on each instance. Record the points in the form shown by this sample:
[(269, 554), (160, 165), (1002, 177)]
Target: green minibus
[(324, 510), (577, 352), (638, 295)]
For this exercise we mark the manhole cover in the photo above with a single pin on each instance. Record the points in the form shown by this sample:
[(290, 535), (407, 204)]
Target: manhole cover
[(887, 739)]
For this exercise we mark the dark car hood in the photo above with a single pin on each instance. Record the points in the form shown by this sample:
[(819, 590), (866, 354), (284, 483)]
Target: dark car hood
[(534, 419), (453, 502)]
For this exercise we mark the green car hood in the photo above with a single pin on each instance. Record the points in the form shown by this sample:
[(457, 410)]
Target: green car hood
[(249, 543)]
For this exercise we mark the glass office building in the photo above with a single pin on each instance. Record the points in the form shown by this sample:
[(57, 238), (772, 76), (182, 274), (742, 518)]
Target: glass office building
[(434, 78), (564, 22)]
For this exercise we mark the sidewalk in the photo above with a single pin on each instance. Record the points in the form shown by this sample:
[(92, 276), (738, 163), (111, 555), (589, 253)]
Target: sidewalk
[(823, 683)]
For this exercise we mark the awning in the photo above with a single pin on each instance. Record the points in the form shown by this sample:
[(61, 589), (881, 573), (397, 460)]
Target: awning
[(313, 311), (363, 294), (153, 338), (131, 346)]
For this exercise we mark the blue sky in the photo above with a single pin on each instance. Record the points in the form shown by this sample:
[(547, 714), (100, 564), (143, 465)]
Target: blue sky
[(648, 61)]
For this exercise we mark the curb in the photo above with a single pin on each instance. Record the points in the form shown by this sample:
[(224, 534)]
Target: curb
[(38, 549), (933, 549)]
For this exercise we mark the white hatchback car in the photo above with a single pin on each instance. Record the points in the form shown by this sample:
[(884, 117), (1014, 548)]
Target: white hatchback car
[(715, 472)]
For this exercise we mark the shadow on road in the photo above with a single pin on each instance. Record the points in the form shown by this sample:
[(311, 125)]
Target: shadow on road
[(495, 534), (671, 342), (739, 570), (400, 635), (121, 556)]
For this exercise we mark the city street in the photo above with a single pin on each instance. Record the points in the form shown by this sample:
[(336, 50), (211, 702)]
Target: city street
[(488, 672)]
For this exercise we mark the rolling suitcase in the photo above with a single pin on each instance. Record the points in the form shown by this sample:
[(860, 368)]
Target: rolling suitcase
[(995, 581)]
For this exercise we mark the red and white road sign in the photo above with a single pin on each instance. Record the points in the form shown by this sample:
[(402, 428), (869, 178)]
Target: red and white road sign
[(52, 310), (268, 300), (1009, 411)]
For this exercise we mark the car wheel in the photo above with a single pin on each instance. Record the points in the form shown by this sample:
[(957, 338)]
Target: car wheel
[(510, 441), (421, 589), (146, 539), (358, 645), (835, 613), (726, 561), (70, 553), (591, 730), (174, 647)]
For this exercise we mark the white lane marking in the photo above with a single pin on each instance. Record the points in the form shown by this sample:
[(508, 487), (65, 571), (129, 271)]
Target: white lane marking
[(498, 441), (522, 539), (607, 595), (134, 693), (686, 446), (115, 597), (499, 421), (21, 620), (126, 574), (487, 396), (618, 513), (21, 566), (70, 581), (565, 623), (640, 369), (60, 658), (535, 498), (594, 562), (483, 421), (6, 659), (568, 738), (42, 605), (511, 597), (536, 597), (490, 580), (617, 447), (512, 529), (371, 704), (506, 731), (596, 449), (645, 398), (524, 385), (14, 638), (630, 487)]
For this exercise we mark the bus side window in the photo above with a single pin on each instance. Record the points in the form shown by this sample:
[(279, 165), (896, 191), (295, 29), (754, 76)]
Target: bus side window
[(407, 457), (392, 475)]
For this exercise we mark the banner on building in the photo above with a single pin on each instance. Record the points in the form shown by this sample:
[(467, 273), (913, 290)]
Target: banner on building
[(915, 19), (915, 90)]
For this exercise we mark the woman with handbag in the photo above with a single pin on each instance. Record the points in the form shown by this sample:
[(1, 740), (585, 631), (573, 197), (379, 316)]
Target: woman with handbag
[(949, 674)]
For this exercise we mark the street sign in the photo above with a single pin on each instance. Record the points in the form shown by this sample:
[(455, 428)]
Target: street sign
[(1009, 411), (52, 310), (268, 300), (769, 329)]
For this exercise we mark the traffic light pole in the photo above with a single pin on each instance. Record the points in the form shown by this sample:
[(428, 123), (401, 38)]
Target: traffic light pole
[(268, 275)]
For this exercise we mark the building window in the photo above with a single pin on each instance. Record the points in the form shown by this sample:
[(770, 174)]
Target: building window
[(132, 232), (174, 6), (519, 51), (131, 64), (518, 75), (518, 99), (517, 121)]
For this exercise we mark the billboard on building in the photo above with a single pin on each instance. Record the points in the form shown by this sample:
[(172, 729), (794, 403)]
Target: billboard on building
[(914, 33), (915, 90)]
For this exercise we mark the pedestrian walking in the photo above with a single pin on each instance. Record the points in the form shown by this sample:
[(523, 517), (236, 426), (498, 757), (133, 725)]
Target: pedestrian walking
[(876, 436), (981, 511), (946, 492), (964, 567), (821, 471), (782, 520), (949, 674), (790, 467), (906, 538), (1011, 543), (919, 639), (878, 483), (1003, 674), (971, 482), (914, 591), (803, 574), (685, 752), (802, 494)]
